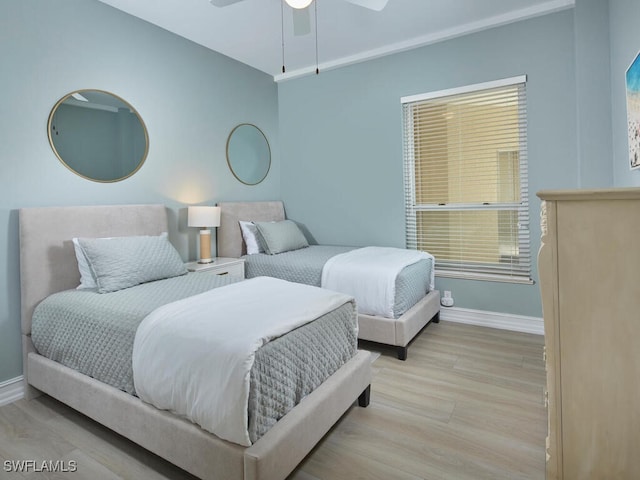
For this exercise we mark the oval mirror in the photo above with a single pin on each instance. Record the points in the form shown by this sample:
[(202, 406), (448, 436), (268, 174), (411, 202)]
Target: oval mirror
[(98, 135), (248, 154)]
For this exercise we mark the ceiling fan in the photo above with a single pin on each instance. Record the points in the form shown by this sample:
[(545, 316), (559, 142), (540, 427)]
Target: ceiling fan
[(301, 17)]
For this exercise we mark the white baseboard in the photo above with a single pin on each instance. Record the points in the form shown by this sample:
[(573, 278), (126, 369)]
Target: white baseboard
[(504, 321), (11, 390)]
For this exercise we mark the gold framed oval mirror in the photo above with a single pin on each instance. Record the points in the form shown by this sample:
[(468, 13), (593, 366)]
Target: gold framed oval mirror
[(248, 154), (98, 135)]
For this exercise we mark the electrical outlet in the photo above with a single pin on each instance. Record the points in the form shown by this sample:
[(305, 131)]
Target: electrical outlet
[(447, 299)]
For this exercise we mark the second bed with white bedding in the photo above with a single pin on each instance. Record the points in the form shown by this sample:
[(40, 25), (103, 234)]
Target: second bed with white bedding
[(415, 304), (305, 265)]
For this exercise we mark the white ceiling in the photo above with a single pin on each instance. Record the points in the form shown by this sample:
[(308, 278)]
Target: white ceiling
[(251, 31)]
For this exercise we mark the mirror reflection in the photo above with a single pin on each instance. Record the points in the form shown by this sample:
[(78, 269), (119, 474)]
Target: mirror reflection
[(98, 135), (248, 154)]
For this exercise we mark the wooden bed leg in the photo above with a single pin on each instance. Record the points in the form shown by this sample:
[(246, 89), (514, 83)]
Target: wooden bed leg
[(402, 352), (436, 318), (365, 397)]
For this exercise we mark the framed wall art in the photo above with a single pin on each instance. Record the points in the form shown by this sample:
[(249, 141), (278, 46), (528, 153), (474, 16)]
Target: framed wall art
[(633, 112)]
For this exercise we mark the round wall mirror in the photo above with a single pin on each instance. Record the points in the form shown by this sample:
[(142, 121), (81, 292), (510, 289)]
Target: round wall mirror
[(98, 135), (248, 154)]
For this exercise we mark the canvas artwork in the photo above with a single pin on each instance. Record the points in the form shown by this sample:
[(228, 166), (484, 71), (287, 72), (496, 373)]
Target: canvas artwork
[(633, 112)]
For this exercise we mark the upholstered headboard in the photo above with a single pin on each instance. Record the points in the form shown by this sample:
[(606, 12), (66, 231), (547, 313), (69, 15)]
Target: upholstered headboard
[(47, 259), (230, 242)]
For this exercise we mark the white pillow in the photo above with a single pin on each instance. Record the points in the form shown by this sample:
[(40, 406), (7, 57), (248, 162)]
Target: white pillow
[(250, 235)]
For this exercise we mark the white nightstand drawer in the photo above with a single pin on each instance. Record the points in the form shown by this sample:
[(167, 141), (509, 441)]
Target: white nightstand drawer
[(233, 267), (236, 271)]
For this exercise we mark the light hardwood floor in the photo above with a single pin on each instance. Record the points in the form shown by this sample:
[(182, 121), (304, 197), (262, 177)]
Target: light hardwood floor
[(467, 404)]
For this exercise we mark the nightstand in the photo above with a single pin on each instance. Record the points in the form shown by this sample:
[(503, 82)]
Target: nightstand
[(234, 267)]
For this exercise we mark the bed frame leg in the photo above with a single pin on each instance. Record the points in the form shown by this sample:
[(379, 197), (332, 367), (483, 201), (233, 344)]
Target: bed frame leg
[(31, 392), (436, 318), (365, 397), (403, 352)]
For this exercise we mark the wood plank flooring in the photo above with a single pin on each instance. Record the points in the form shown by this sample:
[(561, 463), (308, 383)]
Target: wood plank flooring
[(467, 404)]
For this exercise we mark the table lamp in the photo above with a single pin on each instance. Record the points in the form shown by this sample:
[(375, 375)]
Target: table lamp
[(204, 217)]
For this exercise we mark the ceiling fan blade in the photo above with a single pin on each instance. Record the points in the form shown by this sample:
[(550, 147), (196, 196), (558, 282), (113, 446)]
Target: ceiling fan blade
[(301, 21), (223, 3), (376, 5)]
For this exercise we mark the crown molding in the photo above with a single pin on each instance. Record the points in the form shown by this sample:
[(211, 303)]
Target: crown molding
[(546, 8)]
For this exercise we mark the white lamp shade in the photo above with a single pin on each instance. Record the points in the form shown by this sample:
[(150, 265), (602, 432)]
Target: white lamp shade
[(298, 3), (203, 216)]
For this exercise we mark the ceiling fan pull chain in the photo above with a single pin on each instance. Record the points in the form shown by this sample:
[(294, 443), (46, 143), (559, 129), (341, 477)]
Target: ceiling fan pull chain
[(282, 31), (315, 6)]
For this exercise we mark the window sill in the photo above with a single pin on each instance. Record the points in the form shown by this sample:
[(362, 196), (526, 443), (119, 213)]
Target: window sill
[(485, 277)]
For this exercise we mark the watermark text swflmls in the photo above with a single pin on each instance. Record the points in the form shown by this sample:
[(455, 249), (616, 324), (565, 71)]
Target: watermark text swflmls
[(54, 466)]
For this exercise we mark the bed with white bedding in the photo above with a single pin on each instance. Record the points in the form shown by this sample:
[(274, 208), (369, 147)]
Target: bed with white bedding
[(97, 335), (318, 265), (394, 288), (96, 362)]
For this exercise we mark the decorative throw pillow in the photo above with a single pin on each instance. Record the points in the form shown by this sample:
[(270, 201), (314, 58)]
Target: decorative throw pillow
[(279, 237), (87, 280), (250, 235), (122, 262)]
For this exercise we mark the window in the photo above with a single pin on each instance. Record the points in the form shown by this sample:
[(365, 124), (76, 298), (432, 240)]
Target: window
[(466, 194)]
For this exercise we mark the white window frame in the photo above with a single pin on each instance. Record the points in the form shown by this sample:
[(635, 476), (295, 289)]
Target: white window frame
[(522, 274)]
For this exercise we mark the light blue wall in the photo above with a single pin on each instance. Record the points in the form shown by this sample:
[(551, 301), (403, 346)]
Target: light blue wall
[(624, 16), (593, 93), (340, 135), (189, 97)]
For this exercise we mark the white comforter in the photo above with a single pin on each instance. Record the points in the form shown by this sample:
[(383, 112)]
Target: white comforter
[(369, 274), (193, 356)]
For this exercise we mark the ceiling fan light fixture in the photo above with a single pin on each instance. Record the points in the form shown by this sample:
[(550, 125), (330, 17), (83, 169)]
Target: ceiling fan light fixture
[(298, 3)]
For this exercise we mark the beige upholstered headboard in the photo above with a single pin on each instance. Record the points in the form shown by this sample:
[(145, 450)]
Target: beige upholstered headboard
[(47, 259), (230, 242)]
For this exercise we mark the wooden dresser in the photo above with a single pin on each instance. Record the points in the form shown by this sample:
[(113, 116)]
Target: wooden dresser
[(589, 267)]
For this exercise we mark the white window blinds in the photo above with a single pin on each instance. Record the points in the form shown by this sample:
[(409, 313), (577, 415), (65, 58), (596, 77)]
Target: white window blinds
[(465, 175)]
